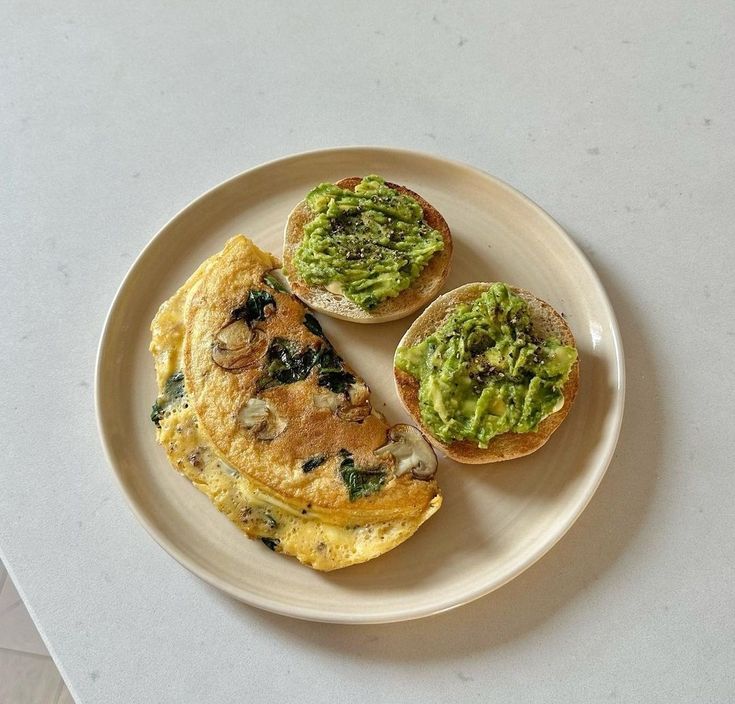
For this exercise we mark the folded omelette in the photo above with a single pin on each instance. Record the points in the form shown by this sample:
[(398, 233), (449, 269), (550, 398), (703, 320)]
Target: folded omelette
[(258, 410)]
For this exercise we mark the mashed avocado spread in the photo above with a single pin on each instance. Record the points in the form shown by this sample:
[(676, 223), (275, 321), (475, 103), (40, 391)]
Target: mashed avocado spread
[(484, 372), (367, 245)]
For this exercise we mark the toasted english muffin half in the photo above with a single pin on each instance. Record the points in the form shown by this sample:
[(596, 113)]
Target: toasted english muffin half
[(422, 290), (546, 323)]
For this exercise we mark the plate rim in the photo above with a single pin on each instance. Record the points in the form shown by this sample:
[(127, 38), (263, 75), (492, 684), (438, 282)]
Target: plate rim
[(394, 615)]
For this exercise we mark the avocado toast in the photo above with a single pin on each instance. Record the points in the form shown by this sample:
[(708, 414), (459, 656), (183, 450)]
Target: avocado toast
[(488, 371), (366, 250)]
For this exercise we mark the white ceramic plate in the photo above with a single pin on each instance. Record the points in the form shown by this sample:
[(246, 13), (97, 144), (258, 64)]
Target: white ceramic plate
[(496, 519)]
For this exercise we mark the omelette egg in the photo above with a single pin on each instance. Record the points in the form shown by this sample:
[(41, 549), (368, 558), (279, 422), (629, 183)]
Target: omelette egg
[(290, 451)]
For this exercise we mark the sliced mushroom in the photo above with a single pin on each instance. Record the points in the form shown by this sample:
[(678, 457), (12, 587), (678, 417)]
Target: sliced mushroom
[(356, 404), (324, 398), (411, 452), (352, 405), (234, 335), (253, 414), (358, 393), (239, 346), (354, 414), (256, 415)]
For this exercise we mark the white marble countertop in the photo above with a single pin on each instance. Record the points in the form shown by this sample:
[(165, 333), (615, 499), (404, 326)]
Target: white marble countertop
[(617, 118)]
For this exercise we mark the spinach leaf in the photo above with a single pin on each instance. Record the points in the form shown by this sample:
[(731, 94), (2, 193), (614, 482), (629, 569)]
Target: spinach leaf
[(313, 325), (332, 373), (361, 481), (254, 307), (273, 281), (313, 462), (271, 543), (286, 364), (174, 386), (173, 390), (157, 411)]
